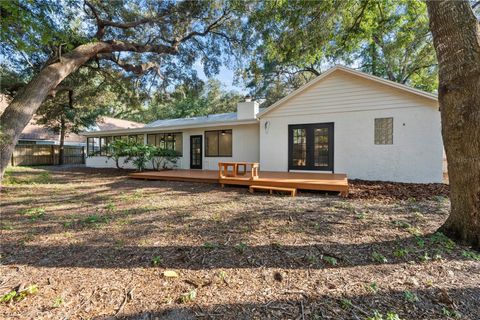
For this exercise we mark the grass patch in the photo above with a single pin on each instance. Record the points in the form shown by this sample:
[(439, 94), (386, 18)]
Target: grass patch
[(94, 220), (31, 177), (34, 213)]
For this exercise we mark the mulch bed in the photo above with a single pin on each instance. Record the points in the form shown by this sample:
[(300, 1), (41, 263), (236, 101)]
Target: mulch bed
[(362, 189)]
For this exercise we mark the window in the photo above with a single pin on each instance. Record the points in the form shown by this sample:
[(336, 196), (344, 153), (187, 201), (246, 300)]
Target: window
[(108, 142), (93, 146), (26, 142), (169, 141), (136, 138), (383, 130), (218, 143), (299, 148), (103, 145)]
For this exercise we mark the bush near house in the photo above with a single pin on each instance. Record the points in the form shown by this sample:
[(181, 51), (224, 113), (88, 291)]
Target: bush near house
[(140, 154)]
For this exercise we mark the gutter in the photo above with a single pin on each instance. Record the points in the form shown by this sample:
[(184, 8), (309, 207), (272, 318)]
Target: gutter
[(167, 128)]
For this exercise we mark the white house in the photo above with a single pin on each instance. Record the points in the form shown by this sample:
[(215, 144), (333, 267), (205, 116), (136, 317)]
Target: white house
[(343, 121)]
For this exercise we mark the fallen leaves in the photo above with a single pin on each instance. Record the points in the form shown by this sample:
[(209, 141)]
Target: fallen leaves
[(170, 274)]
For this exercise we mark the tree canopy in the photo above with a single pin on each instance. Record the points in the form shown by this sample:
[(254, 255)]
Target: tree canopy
[(298, 40)]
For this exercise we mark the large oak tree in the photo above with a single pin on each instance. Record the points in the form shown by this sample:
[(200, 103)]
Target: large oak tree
[(456, 37), (136, 36)]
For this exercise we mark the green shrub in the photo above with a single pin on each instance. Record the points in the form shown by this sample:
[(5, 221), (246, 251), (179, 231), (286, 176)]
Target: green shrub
[(163, 158), (140, 154)]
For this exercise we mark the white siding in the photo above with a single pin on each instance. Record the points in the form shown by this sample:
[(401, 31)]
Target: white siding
[(352, 103), (245, 147)]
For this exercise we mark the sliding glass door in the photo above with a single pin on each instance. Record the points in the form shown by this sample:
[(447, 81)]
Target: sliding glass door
[(310, 146)]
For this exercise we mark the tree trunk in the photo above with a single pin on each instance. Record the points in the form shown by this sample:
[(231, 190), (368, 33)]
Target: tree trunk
[(19, 112), (456, 37), (61, 153)]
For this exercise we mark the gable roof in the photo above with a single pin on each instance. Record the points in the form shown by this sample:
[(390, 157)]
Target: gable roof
[(364, 75)]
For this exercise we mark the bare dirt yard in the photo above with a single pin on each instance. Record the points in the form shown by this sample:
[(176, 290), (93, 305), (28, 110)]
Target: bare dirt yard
[(93, 244)]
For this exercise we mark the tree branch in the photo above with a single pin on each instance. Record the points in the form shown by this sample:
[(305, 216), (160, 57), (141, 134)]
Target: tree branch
[(102, 23), (116, 45), (207, 30), (136, 69)]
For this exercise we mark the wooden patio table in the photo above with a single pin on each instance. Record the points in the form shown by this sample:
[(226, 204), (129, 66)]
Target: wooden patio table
[(223, 167)]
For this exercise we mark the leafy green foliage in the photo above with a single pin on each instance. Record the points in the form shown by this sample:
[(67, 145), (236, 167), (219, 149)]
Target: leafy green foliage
[(389, 316), (118, 149), (471, 255), (156, 261), (77, 105), (241, 247), (440, 238), (346, 304), (378, 257), (191, 99), (400, 253), (451, 313), (297, 40), (20, 295), (95, 220), (140, 154), (58, 302), (330, 260), (410, 296), (373, 287), (164, 158), (34, 213), (189, 296)]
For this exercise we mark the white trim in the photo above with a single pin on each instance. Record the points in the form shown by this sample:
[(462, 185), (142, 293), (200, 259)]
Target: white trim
[(168, 128), (389, 83)]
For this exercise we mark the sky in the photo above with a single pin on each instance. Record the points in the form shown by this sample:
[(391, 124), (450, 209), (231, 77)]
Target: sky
[(226, 77)]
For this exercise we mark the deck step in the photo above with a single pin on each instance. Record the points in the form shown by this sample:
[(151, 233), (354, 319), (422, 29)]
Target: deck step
[(293, 191)]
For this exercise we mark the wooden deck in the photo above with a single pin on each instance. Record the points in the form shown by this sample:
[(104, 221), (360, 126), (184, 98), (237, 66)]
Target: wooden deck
[(304, 181)]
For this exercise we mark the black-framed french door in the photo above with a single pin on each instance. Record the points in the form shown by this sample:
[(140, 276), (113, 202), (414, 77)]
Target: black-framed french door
[(310, 146), (196, 152)]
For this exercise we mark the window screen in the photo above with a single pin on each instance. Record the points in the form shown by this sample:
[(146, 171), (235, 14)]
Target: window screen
[(384, 131)]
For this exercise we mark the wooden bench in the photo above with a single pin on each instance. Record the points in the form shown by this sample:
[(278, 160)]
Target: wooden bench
[(224, 172), (293, 191)]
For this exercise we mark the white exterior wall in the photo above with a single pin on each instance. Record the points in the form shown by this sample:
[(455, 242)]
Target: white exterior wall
[(245, 147), (352, 103)]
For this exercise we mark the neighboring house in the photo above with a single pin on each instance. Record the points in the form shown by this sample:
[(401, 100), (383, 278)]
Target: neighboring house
[(343, 121), (38, 134)]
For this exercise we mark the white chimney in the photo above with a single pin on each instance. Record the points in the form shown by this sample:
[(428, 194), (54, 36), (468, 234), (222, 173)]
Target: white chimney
[(248, 109)]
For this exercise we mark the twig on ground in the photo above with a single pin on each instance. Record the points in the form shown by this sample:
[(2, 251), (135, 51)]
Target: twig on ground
[(303, 311), (128, 296)]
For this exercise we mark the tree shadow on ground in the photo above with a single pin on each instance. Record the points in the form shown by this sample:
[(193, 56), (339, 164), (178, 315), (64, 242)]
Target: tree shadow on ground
[(240, 255), (429, 303)]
